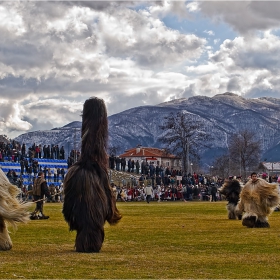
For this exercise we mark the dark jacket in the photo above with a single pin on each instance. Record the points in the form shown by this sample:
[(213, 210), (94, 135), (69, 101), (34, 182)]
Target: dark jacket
[(40, 188)]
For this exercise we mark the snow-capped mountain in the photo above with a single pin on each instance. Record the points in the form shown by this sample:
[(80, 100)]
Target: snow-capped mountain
[(222, 115)]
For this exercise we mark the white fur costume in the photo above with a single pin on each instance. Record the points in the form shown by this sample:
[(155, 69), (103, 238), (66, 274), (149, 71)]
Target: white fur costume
[(257, 201), (11, 210)]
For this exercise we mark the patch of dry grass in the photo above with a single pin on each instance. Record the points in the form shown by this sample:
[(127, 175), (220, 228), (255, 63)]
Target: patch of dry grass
[(157, 240)]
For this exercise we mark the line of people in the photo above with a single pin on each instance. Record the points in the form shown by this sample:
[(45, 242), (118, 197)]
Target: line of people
[(52, 174), (15, 152), (167, 193)]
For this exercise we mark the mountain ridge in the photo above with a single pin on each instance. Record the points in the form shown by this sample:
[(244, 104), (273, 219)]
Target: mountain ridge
[(222, 115)]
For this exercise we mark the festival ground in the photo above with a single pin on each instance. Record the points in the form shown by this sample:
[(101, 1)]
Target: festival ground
[(157, 240)]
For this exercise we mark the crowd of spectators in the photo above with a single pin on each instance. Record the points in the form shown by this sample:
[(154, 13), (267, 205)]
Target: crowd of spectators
[(28, 159), (171, 192), (168, 184), (15, 151), (189, 187)]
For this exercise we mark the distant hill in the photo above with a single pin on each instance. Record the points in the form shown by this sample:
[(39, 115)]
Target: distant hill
[(222, 114), (272, 154)]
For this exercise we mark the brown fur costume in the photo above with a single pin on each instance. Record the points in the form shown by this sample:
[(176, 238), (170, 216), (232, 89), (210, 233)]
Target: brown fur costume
[(231, 190), (89, 201), (11, 210), (257, 201)]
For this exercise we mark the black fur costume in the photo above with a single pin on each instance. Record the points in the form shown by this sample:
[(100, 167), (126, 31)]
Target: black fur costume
[(231, 190), (89, 201)]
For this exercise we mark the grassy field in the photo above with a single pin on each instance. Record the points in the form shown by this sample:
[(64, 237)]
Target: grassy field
[(157, 240)]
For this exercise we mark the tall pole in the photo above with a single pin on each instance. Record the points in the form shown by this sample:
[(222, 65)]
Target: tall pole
[(188, 156), (240, 163), (229, 166), (75, 152)]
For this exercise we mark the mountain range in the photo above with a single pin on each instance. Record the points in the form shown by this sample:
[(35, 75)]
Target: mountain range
[(222, 115)]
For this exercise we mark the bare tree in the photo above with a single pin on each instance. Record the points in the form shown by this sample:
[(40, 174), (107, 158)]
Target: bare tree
[(184, 135), (221, 166), (244, 150)]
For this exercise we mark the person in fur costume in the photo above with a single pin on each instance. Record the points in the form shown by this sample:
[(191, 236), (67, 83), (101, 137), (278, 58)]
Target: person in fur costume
[(12, 211), (231, 190), (258, 199), (40, 190), (89, 200)]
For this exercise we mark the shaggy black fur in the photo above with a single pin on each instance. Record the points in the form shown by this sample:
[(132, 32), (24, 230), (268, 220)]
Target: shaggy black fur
[(231, 190), (249, 222), (2, 225), (253, 222), (260, 224), (89, 201)]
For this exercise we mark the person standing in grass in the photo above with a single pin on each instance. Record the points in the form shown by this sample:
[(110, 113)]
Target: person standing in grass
[(89, 200), (213, 192), (159, 192), (40, 189), (148, 193)]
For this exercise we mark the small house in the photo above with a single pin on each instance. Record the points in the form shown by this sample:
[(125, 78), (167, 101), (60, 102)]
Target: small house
[(152, 155)]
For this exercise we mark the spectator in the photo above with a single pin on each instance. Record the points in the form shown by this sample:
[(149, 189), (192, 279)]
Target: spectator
[(40, 189), (148, 193)]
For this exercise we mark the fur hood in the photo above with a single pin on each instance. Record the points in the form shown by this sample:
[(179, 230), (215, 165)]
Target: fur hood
[(230, 186), (261, 197), (231, 190)]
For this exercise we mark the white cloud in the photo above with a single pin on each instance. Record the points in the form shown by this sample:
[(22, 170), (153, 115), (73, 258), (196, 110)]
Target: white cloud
[(11, 117), (243, 16), (193, 6), (202, 69), (209, 32), (11, 21), (216, 41), (251, 53), (240, 66), (165, 8), (54, 55)]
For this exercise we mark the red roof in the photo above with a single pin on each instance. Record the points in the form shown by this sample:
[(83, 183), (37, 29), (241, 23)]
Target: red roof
[(146, 152)]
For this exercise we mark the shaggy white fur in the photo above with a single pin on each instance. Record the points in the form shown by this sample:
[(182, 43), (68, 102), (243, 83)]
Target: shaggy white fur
[(11, 210), (257, 201)]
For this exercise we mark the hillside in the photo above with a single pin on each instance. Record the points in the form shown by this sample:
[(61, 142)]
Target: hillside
[(222, 114)]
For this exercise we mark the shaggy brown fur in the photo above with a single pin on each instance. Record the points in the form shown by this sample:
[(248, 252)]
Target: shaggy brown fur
[(89, 201), (11, 211), (231, 190), (257, 201)]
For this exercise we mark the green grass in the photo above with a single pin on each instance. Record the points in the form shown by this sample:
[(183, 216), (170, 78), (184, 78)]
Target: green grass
[(157, 240)]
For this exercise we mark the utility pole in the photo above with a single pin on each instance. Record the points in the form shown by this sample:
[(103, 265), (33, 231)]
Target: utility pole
[(240, 167), (187, 149), (188, 156), (75, 151)]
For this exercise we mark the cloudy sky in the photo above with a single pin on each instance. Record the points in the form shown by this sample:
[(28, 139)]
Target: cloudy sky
[(54, 55)]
